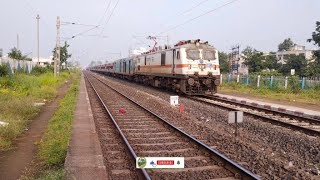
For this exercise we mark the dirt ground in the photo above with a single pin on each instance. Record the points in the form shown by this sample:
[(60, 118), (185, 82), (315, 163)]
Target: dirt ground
[(309, 106), (16, 160)]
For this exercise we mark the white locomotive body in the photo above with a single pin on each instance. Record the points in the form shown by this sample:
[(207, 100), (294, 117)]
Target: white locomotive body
[(190, 67)]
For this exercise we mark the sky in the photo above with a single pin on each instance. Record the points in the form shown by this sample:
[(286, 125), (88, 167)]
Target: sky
[(125, 25)]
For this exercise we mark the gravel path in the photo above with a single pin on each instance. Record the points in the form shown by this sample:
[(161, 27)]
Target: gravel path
[(271, 151)]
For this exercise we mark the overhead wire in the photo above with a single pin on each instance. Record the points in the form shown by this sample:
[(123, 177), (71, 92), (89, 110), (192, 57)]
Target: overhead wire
[(96, 26), (194, 18), (105, 12), (197, 5), (109, 16)]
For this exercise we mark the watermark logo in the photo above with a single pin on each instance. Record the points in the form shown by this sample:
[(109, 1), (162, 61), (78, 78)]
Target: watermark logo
[(142, 162)]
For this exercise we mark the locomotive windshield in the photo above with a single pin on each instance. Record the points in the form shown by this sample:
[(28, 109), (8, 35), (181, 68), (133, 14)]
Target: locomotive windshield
[(208, 55), (193, 54)]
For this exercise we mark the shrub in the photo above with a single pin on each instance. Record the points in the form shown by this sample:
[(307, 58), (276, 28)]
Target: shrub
[(41, 70), (3, 70)]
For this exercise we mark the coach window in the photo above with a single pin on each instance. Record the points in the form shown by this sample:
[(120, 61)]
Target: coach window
[(163, 59), (178, 54), (145, 60)]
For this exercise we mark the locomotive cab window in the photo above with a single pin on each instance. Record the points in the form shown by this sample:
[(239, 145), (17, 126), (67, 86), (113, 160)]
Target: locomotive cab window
[(178, 54), (145, 60), (208, 55), (163, 59), (193, 54)]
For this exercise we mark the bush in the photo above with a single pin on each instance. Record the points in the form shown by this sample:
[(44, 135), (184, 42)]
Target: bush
[(41, 70), (294, 84), (3, 70)]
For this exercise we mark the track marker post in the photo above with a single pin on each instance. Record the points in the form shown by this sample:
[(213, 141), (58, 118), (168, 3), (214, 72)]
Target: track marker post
[(235, 117)]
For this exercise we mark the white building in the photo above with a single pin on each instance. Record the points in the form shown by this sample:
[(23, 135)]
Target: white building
[(295, 50), (44, 61), (138, 51), (238, 65)]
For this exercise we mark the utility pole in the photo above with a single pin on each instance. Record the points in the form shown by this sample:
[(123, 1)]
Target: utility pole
[(17, 41), (57, 59), (234, 59), (38, 18)]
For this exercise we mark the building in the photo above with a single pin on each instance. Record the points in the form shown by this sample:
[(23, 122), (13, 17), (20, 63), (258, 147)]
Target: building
[(44, 61), (282, 56), (138, 51), (237, 64)]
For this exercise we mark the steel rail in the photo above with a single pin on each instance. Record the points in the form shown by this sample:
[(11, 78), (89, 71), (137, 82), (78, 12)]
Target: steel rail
[(219, 157), (265, 110), (132, 152), (308, 119)]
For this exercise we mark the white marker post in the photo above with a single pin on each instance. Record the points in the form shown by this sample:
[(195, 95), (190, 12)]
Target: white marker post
[(235, 117), (174, 100)]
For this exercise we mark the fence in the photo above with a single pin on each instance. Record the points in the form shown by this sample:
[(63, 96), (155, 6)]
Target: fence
[(16, 65), (272, 82)]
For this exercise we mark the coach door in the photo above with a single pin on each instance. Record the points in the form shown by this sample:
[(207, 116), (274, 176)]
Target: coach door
[(129, 66), (173, 61)]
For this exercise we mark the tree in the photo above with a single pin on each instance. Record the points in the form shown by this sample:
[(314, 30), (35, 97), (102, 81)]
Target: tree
[(296, 62), (254, 62), (16, 54), (92, 63), (248, 51), (270, 62), (223, 60), (314, 67), (64, 55), (253, 59), (286, 45)]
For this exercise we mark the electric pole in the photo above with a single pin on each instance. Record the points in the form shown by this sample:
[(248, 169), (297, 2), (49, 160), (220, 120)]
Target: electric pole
[(38, 18), (234, 59), (17, 41), (57, 59)]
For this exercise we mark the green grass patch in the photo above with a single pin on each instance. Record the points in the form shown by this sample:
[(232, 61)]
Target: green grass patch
[(310, 96), (54, 144), (17, 97)]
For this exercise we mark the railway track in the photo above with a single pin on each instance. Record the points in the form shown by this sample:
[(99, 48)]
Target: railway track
[(146, 134), (307, 125)]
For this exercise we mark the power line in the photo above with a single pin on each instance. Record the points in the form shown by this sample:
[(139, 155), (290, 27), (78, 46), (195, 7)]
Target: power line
[(79, 34), (95, 26), (105, 12), (192, 19), (110, 16), (188, 10), (79, 24)]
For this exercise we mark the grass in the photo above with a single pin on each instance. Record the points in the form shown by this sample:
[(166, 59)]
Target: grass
[(17, 97), (311, 96), (54, 144)]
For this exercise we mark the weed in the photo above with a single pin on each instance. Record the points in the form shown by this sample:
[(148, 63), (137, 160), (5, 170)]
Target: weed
[(17, 97), (54, 144)]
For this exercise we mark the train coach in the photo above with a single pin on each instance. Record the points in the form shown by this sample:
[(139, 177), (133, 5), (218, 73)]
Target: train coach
[(190, 67)]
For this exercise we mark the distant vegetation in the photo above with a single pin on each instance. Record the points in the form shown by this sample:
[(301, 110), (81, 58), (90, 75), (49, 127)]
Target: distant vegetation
[(17, 97), (258, 62)]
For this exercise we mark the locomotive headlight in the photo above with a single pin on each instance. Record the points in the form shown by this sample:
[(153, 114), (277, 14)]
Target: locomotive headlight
[(191, 81)]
